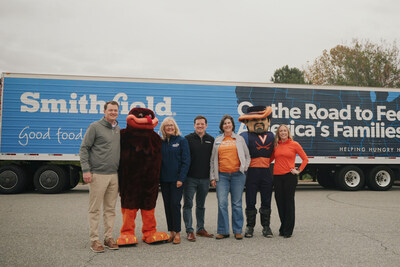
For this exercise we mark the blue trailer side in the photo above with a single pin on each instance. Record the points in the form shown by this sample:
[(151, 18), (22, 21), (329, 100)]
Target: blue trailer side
[(348, 133)]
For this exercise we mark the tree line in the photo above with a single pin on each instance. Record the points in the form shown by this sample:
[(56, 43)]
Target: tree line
[(362, 63)]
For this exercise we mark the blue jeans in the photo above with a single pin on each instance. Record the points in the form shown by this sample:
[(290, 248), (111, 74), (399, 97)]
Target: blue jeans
[(230, 183), (200, 188)]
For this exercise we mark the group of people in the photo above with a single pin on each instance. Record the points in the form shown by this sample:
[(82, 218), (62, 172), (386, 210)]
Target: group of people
[(190, 164)]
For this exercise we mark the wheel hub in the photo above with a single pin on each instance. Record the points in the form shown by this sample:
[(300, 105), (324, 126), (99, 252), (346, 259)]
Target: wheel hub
[(49, 179), (352, 179), (382, 178), (8, 179)]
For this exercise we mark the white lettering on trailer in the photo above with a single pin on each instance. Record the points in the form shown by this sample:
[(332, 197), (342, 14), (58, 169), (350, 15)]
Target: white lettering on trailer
[(31, 102), (363, 115), (390, 115), (312, 112), (61, 135), (351, 149), (375, 130), (380, 149), (26, 134), (297, 130), (54, 105), (72, 103), (96, 106), (280, 111), (26, 99), (243, 104)]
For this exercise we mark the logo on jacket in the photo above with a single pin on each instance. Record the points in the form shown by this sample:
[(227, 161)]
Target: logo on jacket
[(267, 147)]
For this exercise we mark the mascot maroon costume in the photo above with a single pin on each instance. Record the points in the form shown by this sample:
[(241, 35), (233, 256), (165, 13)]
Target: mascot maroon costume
[(139, 176), (259, 178)]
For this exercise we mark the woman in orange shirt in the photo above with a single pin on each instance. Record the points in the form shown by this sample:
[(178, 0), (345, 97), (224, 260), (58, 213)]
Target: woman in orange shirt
[(285, 176), (230, 158)]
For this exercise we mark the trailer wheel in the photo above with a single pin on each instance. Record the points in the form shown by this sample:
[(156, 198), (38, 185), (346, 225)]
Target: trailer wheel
[(13, 179), (381, 178), (50, 179), (74, 177), (350, 178), (325, 178)]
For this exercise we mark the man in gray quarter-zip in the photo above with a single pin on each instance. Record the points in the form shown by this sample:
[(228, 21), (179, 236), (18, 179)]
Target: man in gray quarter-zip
[(99, 157)]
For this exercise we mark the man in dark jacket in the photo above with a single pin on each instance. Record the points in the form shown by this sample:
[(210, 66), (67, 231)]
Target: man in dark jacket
[(197, 181)]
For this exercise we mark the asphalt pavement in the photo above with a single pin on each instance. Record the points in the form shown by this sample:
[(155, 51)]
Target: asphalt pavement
[(333, 228)]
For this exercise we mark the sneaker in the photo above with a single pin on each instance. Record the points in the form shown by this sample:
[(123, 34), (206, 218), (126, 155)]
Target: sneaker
[(267, 232), (110, 244), (96, 247), (249, 232)]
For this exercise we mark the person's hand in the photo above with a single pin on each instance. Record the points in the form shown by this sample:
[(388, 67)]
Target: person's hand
[(213, 183), (294, 171), (178, 184), (87, 177)]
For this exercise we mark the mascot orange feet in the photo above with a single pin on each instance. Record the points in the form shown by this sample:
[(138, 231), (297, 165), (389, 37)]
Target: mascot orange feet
[(127, 236), (150, 234), (125, 240), (157, 237)]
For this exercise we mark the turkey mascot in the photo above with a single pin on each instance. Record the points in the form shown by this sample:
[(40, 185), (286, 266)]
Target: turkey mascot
[(260, 142), (139, 174)]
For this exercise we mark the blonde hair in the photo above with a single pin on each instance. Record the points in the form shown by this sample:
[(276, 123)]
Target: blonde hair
[(162, 127), (277, 138)]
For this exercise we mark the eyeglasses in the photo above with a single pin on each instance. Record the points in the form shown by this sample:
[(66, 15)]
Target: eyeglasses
[(169, 125)]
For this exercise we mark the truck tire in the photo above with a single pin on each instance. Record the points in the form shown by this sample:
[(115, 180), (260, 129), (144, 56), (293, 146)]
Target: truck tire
[(350, 178), (74, 177), (325, 178), (50, 179), (380, 178), (13, 179)]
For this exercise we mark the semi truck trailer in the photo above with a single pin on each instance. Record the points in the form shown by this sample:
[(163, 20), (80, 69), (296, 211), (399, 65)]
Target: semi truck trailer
[(350, 134)]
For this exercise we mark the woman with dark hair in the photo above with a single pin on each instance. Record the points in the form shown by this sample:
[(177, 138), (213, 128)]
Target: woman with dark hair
[(230, 158), (174, 169), (285, 176)]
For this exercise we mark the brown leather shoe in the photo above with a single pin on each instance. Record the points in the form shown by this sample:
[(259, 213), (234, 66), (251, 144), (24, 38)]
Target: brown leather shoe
[(177, 240), (96, 247), (238, 236), (111, 244), (171, 237), (191, 237), (204, 233), (219, 236)]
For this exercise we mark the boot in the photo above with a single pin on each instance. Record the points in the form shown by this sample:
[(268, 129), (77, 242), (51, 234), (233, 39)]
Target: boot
[(251, 222), (265, 215)]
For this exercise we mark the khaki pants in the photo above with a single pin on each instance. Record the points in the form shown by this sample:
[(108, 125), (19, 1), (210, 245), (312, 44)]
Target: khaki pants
[(102, 190)]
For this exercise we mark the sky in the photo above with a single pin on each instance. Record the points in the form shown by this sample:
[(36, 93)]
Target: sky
[(215, 40)]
